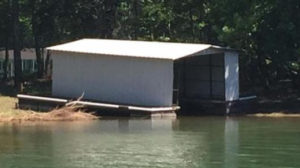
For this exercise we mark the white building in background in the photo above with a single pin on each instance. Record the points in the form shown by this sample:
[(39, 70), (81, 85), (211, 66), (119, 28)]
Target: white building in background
[(28, 57), (144, 73)]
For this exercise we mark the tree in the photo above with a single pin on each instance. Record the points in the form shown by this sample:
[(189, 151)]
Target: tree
[(16, 44), (267, 31), (42, 17), (5, 29)]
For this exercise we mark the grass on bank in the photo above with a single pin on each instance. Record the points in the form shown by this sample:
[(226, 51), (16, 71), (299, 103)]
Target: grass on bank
[(7, 107), (8, 100), (9, 112)]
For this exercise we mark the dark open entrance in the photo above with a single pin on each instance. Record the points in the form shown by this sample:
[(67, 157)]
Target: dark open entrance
[(199, 78)]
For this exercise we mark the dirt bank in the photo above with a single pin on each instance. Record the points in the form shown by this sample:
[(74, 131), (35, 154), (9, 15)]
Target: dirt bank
[(9, 113), (274, 115), (62, 114)]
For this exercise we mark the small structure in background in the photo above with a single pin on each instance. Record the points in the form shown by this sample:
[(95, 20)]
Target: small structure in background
[(146, 74), (29, 64)]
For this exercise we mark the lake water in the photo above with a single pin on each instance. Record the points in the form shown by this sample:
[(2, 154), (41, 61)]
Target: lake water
[(192, 142)]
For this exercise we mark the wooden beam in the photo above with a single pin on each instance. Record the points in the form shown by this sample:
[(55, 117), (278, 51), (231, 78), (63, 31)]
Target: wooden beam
[(21, 96), (98, 104)]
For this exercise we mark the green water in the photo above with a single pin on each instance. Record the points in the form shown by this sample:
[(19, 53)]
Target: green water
[(202, 142)]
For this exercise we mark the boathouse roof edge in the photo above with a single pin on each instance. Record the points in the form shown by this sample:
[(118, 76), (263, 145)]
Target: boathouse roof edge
[(131, 48)]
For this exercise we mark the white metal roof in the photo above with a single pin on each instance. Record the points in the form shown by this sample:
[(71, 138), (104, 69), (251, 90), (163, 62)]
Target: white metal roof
[(146, 49)]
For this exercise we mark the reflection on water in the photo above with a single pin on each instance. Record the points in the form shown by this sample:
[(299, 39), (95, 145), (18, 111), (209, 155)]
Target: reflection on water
[(208, 142), (231, 136)]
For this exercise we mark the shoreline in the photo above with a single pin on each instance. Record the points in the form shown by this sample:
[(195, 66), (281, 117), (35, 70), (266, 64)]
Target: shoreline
[(9, 114), (49, 117), (275, 115), (83, 116)]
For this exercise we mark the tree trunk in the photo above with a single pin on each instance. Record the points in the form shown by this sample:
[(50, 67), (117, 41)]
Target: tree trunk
[(37, 43), (16, 45), (110, 7), (135, 11), (7, 35), (263, 70), (192, 25), (47, 64), (39, 59), (5, 64)]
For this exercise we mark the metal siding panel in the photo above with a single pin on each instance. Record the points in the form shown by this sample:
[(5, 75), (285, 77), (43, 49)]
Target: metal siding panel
[(138, 81), (217, 59), (231, 76), (197, 89), (197, 73), (218, 90), (218, 74), (202, 60)]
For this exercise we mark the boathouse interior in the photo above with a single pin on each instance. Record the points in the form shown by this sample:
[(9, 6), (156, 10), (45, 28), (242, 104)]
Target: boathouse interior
[(199, 78)]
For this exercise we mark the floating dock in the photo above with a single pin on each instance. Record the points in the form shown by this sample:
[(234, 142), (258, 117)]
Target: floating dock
[(44, 104)]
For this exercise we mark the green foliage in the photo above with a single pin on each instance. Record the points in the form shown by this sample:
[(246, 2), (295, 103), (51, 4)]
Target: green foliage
[(267, 32)]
